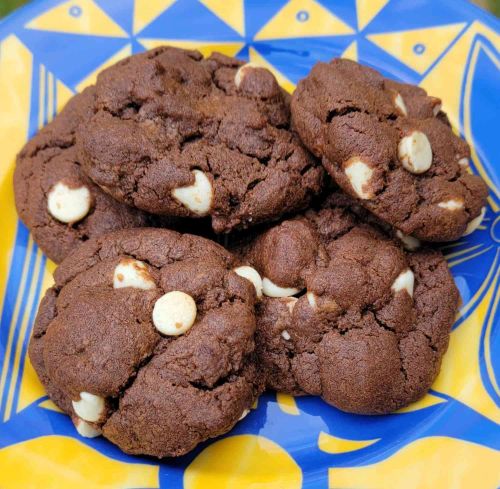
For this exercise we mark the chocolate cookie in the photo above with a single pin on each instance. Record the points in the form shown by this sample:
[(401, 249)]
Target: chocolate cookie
[(347, 314), (176, 134), (148, 338), (390, 146), (54, 198)]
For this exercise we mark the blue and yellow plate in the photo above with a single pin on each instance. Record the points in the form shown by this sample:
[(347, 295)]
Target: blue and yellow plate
[(451, 438)]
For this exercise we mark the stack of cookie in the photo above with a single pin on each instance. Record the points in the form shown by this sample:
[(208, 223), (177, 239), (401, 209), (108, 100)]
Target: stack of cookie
[(162, 338)]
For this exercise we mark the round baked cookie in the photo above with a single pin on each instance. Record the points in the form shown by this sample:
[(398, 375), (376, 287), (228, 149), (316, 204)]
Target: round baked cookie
[(347, 314), (390, 146), (148, 338), (60, 205), (176, 134)]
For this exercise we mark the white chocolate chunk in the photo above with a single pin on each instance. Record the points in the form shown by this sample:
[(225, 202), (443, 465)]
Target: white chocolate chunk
[(409, 242), (286, 335), (290, 303), (174, 313), (244, 414), (327, 304), (253, 276), (197, 197), (400, 104), (475, 223), (436, 109), (90, 407), (311, 298), (404, 281), (242, 71), (463, 162), (359, 175), (415, 152), (68, 204), (451, 205), (132, 273), (272, 290), (86, 430)]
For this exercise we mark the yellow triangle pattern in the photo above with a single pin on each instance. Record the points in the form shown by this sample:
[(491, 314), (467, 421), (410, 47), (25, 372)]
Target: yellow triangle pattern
[(333, 444), (205, 48), (81, 466), (287, 404), (243, 462), (418, 48), (426, 401), (15, 93), (92, 77), (31, 388), (460, 377), (446, 78), (367, 10), (232, 13), (351, 51), (478, 47), (77, 17), (258, 59), (47, 96), (424, 463), (145, 11), (303, 18), (48, 404), (63, 95)]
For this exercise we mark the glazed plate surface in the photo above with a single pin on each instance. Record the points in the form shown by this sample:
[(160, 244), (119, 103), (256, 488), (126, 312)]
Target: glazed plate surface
[(451, 438)]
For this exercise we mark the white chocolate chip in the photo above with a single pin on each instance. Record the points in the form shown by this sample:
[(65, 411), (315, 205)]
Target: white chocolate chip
[(359, 175), (400, 104), (86, 430), (90, 407), (475, 223), (197, 197), (415, 152), (404, 281), (132, 273), (253, 276), (290, 303), (436, 109), (174, 313), (326, 304), (240, 74), (286, 335), (68, 204), (409, 242), (463, 162), (244, 414), (272, 290), (311, 298), (451, 205)]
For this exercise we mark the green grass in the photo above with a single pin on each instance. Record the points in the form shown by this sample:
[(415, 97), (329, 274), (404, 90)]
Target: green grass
[(494, 6), (7, 5)]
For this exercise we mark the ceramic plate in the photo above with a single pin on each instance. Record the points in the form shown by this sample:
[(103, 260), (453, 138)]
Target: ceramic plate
[(451, 438)]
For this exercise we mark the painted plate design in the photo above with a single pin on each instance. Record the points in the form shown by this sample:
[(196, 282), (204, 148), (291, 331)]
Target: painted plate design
[(451, 438)]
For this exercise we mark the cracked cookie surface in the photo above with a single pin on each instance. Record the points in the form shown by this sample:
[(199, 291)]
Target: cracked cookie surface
[(367, 324), (390, 146), (148, 338), (176, 134), (60, 205)]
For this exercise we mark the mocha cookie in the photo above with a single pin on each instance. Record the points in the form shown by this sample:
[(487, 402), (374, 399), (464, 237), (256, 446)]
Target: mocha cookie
[(347, 314), (390, 146), (60, 205), (176, 134), (148, 338)]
